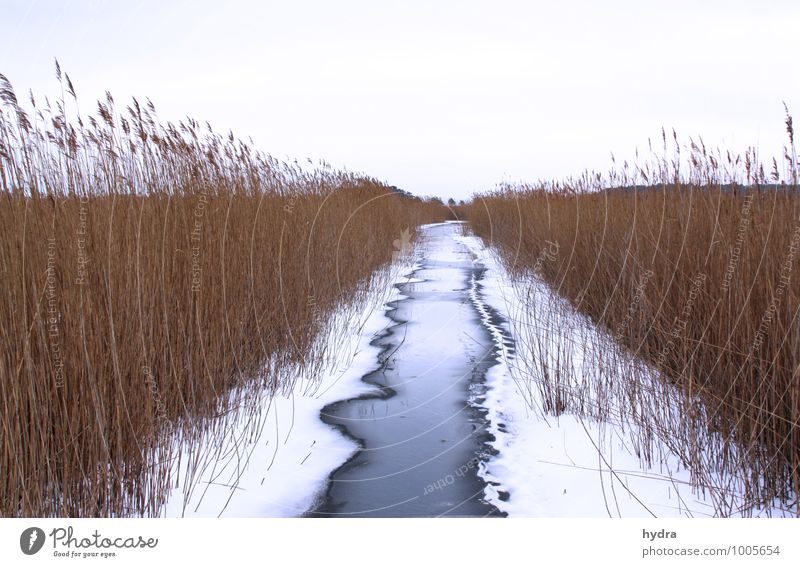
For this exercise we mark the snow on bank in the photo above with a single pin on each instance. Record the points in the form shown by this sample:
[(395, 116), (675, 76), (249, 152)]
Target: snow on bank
[(274, 465), (572, 466), (277, 464)]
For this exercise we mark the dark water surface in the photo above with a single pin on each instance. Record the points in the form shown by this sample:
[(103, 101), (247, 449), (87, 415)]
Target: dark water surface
[(421, 437)]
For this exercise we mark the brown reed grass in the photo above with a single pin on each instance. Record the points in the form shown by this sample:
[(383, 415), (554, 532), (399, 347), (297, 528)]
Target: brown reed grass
[(692, 262), (149, 271)]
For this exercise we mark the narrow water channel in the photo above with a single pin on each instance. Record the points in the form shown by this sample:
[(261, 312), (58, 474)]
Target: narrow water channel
[(423, 436)]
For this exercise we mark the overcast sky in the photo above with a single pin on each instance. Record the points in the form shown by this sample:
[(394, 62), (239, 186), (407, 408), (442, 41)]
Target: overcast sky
[(438, 97)]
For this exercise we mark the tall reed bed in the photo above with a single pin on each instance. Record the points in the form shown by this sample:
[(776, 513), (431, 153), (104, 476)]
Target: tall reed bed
[(149, 272), (691, 261)]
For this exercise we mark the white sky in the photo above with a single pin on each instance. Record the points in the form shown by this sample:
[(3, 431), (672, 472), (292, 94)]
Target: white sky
[(441, 98)]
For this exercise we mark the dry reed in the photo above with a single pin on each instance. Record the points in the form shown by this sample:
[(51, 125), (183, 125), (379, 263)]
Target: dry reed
[(149, 272), (691, 262)]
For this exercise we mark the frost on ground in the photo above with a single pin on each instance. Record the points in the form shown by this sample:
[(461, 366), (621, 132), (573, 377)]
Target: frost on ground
[(273, 454), (568, 432), (570, 438)]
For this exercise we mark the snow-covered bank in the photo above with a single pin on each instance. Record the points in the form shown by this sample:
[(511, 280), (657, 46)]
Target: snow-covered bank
[(592, 460), (275, 465), (589, 463)]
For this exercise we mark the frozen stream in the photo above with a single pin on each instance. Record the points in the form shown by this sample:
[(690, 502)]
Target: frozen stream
[(429, 408), (423, 436)]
